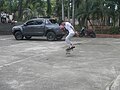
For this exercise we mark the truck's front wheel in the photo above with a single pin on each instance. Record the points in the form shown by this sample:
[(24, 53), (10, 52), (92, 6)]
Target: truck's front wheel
[(18, 35), (51, 36)]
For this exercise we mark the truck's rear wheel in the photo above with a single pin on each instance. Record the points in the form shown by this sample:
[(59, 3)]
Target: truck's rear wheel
[(51, 36), (18, 35)]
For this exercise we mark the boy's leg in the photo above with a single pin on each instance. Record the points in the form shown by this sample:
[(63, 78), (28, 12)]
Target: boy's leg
[(68, 38)]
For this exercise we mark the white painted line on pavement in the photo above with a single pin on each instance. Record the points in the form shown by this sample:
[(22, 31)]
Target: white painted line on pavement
[(11, 63), (8, 64), (5, 39)]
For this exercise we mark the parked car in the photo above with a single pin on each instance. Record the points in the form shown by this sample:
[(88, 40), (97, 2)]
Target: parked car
[(38, 27)]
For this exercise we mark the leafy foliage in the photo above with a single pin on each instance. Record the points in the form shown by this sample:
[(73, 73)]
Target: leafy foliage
[(102, 10), (114, 30)]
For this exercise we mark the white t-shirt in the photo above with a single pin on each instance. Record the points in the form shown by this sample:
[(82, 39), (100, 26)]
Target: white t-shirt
[(69, 27)]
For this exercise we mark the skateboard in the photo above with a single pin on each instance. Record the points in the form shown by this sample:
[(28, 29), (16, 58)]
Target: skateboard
[(68, 50)]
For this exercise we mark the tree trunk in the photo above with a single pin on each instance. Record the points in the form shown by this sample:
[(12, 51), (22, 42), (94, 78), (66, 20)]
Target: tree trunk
[(26, 4), (73, 12), (48, 7), (68, 10), (56, 7), (20, 10), (10, 6)]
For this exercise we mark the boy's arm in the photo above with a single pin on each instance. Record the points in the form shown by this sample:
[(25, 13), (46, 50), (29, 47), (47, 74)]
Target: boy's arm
[(76, 33)]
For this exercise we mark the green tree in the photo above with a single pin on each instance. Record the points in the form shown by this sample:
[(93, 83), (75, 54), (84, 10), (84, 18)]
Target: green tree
[(84, 11)]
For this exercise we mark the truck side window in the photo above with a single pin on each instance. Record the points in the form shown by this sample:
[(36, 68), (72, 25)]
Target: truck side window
[(39, 22), (30, 23)]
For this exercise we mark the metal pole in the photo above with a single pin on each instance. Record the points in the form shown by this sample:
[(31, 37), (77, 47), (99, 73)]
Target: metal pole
[(63, 10)]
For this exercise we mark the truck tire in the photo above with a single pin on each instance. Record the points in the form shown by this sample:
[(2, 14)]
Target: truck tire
[(18, 35), (93, 35), (51, 36)]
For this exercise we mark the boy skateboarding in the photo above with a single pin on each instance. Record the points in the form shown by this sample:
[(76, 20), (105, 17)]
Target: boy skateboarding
[(71, 33)]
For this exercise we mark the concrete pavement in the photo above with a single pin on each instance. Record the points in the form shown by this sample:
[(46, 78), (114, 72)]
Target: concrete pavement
[(41, 65)]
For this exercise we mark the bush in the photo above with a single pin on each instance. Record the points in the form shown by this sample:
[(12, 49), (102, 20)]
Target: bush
[(115, 30), (77, 27)]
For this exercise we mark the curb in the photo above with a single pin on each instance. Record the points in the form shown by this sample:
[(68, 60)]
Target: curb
[(108, 35), (5, 33)]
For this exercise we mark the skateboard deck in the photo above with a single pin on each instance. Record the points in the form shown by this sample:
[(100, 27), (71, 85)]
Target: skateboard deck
[(69, 51)]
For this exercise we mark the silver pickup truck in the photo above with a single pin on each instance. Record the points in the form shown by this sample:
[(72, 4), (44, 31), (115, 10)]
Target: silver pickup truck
[(38, 27)]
